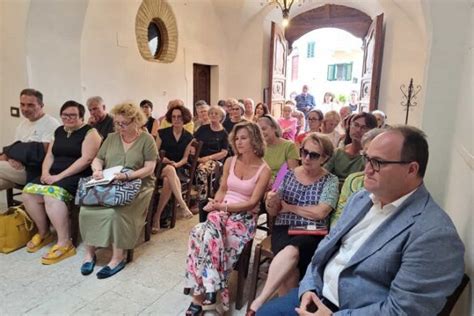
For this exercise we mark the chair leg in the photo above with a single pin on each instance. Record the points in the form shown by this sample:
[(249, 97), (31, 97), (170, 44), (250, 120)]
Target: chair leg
[(254, 275), (9, 197), (74, 227), (130, 255), (243, 268), (174, 210)]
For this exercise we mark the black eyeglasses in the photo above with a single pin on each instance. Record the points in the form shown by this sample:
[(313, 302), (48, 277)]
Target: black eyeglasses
[(313, 119), (71, 116), (376, 164), (312, 154)]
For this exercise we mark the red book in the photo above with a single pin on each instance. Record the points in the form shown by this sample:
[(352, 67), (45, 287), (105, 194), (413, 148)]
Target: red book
[(307, 230)]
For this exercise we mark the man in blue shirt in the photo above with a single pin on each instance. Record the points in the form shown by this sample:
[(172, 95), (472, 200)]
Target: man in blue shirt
[(305, 101)]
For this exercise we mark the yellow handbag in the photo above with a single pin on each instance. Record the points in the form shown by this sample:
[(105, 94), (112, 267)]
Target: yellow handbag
[(16, 229)]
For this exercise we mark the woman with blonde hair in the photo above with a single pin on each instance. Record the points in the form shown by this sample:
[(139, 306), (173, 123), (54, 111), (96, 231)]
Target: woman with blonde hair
[(120, 226), (215, 245), (330, 122)]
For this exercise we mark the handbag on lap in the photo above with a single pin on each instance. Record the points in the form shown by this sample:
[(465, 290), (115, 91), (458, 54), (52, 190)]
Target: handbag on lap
[(115, 193), (16, 229)]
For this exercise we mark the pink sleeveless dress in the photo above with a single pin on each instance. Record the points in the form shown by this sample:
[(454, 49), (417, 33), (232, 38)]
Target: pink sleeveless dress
[(214, 246)]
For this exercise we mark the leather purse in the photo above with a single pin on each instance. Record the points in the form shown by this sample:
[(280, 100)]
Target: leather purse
[(115, 193), (16, 229)]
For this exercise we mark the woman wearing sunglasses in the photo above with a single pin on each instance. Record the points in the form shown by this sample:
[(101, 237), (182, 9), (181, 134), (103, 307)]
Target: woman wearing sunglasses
[(306, 197)]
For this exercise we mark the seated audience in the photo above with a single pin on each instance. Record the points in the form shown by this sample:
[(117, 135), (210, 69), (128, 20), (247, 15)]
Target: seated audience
[(215, 145), (175, 141), (249, 109), (202, 116), (164, 123), (261, 109), (236, 110), (331, 121), (278, 150), (287, 123), (348, 160), (215, 245), (381, 117), (21, 161), (151, 124), (315, 120), (46, 198), (394, 251), (120, 226), (306, 197), (355, 181), (99, 119)]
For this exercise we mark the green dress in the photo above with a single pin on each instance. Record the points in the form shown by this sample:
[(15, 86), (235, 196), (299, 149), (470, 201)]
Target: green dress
[(121, 226), (341, 164), (276, 155)]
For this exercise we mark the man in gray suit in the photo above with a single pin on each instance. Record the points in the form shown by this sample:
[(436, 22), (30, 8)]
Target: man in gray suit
[(394, 251)]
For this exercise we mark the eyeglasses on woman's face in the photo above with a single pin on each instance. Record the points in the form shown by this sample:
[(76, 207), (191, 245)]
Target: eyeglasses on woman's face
[(69, 116), (122, 124), (312, 155)]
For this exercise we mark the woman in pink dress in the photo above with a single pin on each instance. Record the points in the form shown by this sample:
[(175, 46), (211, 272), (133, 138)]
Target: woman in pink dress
[(215, 245), (288, 123)]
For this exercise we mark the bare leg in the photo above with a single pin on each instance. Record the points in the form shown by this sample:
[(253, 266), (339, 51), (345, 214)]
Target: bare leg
[(170, 173), (164, 198), (117, 257), (282, 265), (90, 252), (34, 205), (289, 283), (58, 214)]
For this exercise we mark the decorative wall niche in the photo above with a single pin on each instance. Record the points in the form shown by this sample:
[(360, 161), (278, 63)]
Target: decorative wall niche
[(156, 31)]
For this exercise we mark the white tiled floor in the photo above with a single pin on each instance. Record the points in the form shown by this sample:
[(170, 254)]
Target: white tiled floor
[(151, 284)]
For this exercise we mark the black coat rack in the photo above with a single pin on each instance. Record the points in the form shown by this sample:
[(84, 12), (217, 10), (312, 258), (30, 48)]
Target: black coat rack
[(409, 97)]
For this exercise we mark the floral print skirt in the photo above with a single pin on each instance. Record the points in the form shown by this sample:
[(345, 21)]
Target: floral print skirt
[(214, 249)]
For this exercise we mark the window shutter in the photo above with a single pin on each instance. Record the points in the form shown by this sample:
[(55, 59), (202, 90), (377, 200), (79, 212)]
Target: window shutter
[(348, 72), (331, 72)]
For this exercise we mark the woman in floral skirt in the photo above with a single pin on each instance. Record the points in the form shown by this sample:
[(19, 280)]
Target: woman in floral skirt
[(215, 245)]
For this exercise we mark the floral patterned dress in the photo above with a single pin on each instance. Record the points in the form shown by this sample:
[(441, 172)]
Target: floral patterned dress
[(215, 245)]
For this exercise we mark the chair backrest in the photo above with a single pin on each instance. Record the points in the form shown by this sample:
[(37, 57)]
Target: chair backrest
[(193, 158), (453, 298)]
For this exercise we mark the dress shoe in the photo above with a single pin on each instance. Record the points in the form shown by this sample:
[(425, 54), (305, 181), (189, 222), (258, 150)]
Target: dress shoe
[(88, 267), (194, 310), (107, 272), (210, 298)]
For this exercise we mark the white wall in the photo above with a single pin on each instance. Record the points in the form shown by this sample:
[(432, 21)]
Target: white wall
[(447, 119)]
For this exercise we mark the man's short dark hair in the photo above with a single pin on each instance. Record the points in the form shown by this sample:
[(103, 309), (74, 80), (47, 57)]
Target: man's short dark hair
[(146, 102), (33, 93), (415, 146)]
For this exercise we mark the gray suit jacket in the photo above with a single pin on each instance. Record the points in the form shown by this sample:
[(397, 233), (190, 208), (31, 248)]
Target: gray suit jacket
[(409, 265)]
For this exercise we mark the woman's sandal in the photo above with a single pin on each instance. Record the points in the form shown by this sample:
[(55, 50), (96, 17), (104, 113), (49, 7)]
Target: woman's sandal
[(39, 242), (194, 310), (210, 298), (58, 253), (155, 230)]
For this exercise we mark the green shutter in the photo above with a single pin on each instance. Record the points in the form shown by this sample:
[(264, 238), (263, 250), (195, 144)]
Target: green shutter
[(348, 72), (331, 72)]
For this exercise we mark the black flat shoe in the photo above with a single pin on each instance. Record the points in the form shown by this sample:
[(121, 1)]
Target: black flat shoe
[(210, 298), (194, 310), (88, 267), (107, 272), (186, 290)]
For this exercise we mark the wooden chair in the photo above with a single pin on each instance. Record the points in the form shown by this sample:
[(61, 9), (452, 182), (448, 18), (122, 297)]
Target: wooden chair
[(453, 298), (11, 195), (242, 268), (154, 199)]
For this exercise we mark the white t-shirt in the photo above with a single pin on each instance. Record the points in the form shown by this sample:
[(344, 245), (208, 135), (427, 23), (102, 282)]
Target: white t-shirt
[(41, 130)]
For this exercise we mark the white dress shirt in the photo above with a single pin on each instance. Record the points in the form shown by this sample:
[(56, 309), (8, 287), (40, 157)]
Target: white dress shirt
[(353, 240)]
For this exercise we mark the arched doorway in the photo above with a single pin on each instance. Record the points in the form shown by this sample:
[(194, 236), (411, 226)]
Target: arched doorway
[(349, 19)]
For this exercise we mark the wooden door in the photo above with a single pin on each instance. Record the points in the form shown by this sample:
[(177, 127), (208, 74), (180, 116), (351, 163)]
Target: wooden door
[(278, 58), (201, 83), (372, 65)]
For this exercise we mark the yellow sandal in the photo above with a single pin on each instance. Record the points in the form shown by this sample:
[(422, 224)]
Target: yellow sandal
[(58, 253), (39, 242)]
